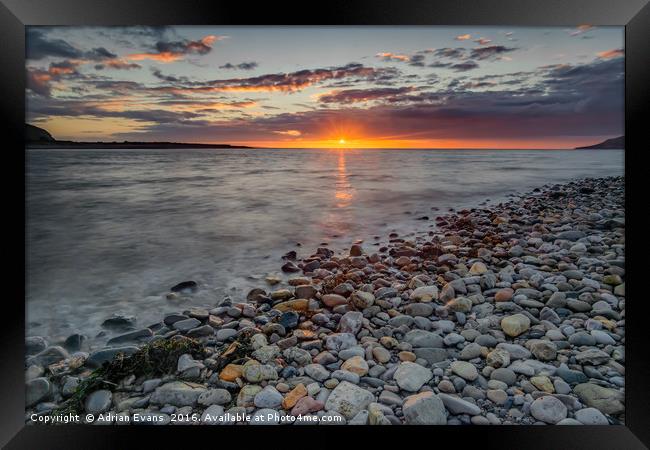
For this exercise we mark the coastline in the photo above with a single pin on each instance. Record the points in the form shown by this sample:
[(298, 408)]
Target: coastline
[(509, 314)]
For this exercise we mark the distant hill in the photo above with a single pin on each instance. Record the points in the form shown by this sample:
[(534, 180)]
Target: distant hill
[(35, 134), (36, 137), (613, 143)]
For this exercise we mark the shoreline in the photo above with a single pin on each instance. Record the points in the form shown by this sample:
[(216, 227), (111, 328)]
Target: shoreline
[(414, 333)]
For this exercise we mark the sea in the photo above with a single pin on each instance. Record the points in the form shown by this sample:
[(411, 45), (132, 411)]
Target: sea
[(110, 231)]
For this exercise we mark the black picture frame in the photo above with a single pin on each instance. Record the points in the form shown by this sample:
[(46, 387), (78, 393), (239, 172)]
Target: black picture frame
[(633, 14)]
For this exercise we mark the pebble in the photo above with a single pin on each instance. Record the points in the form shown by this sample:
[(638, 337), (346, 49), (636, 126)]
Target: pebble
[(348, 399), (425, 408), (548, 409), (98, 401), (464, 370), (411, 376), (505, 314)]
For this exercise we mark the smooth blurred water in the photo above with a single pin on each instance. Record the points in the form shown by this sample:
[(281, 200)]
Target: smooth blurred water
[(112, 230)]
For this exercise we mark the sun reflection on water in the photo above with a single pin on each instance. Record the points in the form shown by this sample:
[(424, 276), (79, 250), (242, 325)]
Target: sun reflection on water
[(343, 191)]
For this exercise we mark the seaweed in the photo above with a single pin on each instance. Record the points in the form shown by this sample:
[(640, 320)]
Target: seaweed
[(154, 359)]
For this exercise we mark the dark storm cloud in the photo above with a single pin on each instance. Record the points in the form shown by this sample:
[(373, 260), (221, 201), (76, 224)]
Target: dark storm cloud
[(241, 66)]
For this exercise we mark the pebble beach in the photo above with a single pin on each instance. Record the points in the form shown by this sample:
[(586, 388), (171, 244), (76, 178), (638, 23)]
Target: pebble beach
[(508, 314)]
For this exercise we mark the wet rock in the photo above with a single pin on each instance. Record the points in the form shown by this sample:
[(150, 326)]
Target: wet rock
[(98, 402), (185, 287), (36, 391), (48, 356), (99, 357)]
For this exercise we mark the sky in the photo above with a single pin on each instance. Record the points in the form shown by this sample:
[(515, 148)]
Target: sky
[(340, 87)]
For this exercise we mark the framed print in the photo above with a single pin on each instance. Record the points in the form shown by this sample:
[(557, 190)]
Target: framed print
[(388, 217)]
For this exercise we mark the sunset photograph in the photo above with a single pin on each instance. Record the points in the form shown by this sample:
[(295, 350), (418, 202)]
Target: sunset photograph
[(325, 225)]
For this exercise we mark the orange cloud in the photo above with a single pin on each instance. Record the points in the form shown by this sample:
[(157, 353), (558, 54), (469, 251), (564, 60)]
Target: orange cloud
[(608, 54), (294, 133), (165, 57), (173, 51), (388, 56), (483, 41), (283, 82), (463, 37), (119, 64), (581, 29), (203, 106)]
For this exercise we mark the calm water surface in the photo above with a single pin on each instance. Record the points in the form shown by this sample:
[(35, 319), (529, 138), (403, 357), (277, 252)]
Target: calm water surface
[(112, 230)]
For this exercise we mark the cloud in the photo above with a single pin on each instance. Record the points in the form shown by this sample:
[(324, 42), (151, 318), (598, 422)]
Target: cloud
[(77, 108), (98, 54), (489, 51), (482, 41), (167, 52), (464, 66), (206, 105), (614, 53), (293, 133), (169, 78), (388, 56), (463, 37), (362, 95), (417, 60), (450, 52), (241, 66), (581, 29), (37, 46), (65, 67), (547, 103), (40, 81), (287, 82), (117, 64)]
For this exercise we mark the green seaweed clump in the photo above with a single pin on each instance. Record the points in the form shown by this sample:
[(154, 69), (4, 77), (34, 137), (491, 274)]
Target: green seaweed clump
[(155, 359)]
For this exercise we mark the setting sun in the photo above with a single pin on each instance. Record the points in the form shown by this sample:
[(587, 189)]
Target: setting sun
[(341, 141)]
